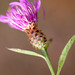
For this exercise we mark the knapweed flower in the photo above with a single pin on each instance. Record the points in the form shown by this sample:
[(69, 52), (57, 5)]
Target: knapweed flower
[(23, 16)]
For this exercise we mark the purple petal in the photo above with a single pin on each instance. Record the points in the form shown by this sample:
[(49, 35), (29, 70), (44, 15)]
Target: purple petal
[(43, 12), (16, 4), (37, 4), (3, 19), (15, 26), (21, 0)]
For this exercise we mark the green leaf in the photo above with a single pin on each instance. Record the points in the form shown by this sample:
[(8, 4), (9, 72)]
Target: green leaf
[(48, 43), (26, 52), (64, 54)]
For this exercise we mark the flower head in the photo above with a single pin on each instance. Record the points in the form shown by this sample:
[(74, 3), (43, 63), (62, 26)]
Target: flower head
[(21, 14)]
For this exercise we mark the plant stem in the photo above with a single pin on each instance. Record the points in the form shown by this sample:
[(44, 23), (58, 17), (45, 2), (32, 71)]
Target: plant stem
[(47, 59)]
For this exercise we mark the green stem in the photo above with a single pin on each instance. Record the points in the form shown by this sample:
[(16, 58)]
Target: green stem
[(47, 59)]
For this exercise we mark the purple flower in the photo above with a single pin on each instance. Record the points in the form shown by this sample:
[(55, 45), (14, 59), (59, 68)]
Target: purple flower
[(20, 14)]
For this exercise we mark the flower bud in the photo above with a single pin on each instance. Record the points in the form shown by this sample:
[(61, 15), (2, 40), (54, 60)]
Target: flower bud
[(36, 36)]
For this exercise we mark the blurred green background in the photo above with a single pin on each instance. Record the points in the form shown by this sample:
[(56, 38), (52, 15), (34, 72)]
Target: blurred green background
[(59, 25)]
